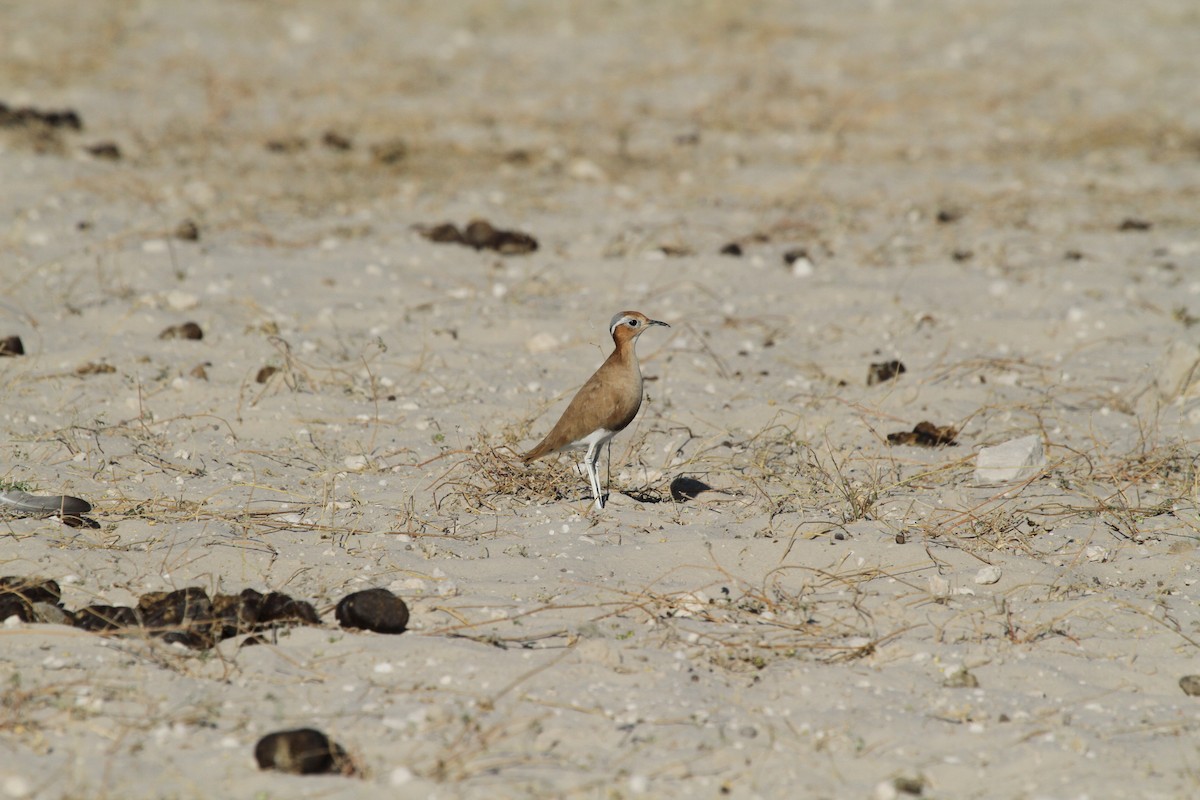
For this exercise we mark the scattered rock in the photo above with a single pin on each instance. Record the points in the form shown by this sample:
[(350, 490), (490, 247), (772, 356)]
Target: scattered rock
[(393, 151), (29, 116), (279, 607), (947, 215), (913, 786), (1015, 460), (287, 144), (108, 151), (799, 261), (1133, 224), (22, 597), (446, 233), (1190, 685), (185, 616), (50, 614), (960, 678), (582, 169), (963, 254), (101, 618), (11, 346), (187, 231), (303, 751), (542, 342), (925, 434), (374, 610), (884, 371), (200, 371), (336, 141), (732, 249), (92, 368), (31, 590), (188, 330), (1096, 553), (792, 256), (264, 374), (481, 235)]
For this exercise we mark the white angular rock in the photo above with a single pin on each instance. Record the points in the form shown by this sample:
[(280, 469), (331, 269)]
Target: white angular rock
[(988, 575), (1015, 460)]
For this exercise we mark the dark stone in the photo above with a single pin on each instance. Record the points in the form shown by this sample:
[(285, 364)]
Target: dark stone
[(187, 231), (925, 434), (108, 151), (106, 618), (336, 141), (12, 605), (162, 611), (794, 255), (32, 590), (390, 152), (884, 371), (374, 610), (278, 607), (188, 330), (481, 235), (446, 233), (304, 751), (12, 346)]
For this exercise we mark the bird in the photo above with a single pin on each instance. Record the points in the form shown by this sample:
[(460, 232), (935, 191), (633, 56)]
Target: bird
[(605, 405)]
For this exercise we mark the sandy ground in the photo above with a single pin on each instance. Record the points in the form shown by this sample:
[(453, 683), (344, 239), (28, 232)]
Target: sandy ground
[(1001, 195)]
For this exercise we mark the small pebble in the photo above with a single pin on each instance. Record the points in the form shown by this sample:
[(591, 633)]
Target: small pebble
[(187, 231), (884, 371), (188, 330)]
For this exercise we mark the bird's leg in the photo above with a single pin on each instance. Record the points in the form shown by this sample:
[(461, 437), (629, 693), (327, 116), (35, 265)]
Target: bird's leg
[(608, 467), (589, 462)]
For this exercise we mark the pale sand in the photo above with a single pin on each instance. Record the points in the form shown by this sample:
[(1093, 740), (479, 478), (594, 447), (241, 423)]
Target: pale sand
[(770, 638)]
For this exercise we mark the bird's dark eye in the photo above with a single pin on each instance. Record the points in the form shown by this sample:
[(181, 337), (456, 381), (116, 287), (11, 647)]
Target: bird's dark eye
[(633, 323)]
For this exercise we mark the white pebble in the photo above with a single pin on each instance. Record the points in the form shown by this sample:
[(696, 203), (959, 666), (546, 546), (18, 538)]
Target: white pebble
[(181, 301), (541, 342), (16, 786)]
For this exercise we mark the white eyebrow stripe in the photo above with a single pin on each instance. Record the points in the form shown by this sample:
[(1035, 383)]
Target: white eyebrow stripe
[(618, 320)]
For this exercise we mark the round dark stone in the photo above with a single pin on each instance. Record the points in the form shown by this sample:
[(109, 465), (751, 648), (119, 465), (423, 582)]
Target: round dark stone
[(373, 609), (304, 751)]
